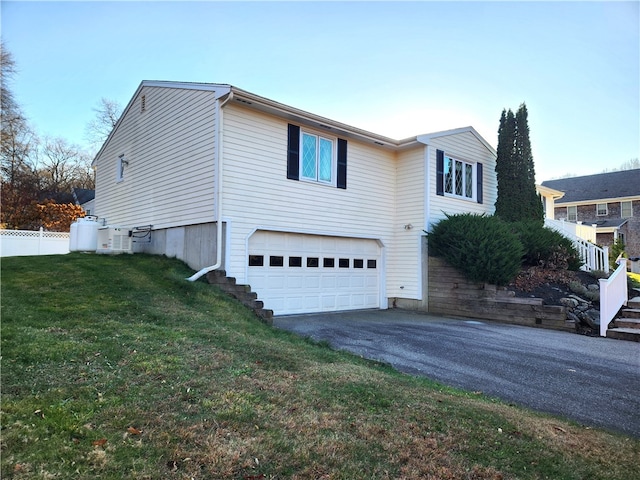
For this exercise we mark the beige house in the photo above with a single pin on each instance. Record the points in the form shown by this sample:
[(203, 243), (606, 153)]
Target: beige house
[(316, 215)]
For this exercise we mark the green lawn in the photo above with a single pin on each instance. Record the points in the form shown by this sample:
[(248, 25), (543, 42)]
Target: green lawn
[(116, 367)]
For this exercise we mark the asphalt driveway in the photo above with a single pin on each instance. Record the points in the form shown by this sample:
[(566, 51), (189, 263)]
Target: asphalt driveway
[(594, 381)]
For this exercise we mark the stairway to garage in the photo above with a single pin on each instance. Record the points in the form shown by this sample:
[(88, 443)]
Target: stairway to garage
[(242, 293), (626, 326)]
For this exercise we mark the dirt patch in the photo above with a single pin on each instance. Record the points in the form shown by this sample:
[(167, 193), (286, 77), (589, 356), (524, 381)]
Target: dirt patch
[(549, 285)]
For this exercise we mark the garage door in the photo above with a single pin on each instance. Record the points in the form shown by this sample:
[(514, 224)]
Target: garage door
[(294, 273)]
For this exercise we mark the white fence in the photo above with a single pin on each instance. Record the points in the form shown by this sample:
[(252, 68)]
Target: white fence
[(583, 237), (613, 295), (17, 243)]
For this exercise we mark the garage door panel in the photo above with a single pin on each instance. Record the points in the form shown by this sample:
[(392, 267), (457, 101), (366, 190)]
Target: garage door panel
[(314, 273)]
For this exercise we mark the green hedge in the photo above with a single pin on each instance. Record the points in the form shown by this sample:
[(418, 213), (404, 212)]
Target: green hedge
[(488, 249), (546, 247), (483, 247)]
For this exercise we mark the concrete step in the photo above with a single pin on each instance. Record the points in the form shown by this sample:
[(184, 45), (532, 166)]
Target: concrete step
[(634, 302), (242, 293), (627, 322), (630, 312), (630, 334)]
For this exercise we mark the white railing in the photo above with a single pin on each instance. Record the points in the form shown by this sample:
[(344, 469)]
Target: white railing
[(17, 243), (593, 256), (613, 295)]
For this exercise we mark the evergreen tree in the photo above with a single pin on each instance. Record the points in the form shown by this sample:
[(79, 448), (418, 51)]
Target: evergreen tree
[(515, 171)]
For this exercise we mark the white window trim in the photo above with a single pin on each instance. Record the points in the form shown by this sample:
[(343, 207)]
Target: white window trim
[(474, 180), (120, 164), (334, 159), (606, 209), (574, 219), (630, 209)]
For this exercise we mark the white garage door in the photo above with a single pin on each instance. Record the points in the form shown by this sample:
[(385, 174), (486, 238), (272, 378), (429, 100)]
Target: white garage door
[(294, 273)]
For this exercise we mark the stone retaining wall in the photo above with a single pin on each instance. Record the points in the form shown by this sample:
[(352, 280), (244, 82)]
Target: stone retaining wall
[(450, 293)]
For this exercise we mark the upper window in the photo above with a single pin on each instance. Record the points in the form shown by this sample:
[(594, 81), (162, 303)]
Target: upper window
[(458, 178), (626, 210), (601, 209), (572, 213), (316, 159)]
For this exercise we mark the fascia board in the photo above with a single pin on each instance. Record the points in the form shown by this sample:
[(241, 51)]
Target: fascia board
[(294, 114)]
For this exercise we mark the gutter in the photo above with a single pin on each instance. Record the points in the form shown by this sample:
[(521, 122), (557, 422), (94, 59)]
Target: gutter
[(218, 160)]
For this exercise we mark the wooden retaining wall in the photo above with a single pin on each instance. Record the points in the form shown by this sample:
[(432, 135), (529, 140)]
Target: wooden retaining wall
[(451, 294)]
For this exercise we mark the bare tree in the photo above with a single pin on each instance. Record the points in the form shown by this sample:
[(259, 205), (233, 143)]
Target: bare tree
[(107, 114), (62, 167)]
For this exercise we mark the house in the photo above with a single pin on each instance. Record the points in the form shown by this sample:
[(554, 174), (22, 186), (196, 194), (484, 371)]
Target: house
[(316, 215), (609, 202), (85, 198)]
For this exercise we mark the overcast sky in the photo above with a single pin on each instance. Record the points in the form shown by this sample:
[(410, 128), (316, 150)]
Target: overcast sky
[(394, 68)]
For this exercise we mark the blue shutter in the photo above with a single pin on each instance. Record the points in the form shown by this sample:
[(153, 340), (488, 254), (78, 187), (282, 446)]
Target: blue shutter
[(479, 182), (342, 164), (293, 153), (439, 172)]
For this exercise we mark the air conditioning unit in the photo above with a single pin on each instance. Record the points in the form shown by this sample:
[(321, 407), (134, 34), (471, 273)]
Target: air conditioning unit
[(114, 240)]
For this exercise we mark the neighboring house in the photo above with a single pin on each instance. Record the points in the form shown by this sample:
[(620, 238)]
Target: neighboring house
[(86, 199), (317, 215), (608, 201)]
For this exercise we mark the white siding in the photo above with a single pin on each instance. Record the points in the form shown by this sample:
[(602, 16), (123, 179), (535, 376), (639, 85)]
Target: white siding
[(169, 180), (463, 146), (257, 193), (404, 274)]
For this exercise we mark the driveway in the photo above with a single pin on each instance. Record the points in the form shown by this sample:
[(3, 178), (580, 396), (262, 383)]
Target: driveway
[(594, 381)]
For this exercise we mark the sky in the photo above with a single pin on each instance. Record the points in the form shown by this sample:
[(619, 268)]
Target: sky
[(398, 69)]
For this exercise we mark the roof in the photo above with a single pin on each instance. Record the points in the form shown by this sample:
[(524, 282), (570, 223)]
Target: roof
[(83, 195), (609, 223), (603, 186), (295, 114)]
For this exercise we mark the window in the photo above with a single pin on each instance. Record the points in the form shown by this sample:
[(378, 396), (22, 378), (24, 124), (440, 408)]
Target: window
[(572, 213), (458, 178), (120, 164), (601, 209), (358, 263), (256, 260), (626, 210), (316, 158), (371, 263), (329, 262), (343, 263), (295, 261), (276, 261), (312, 262)]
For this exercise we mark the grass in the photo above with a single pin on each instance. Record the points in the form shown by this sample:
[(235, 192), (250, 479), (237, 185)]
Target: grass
[(634, 279), (116, 367)]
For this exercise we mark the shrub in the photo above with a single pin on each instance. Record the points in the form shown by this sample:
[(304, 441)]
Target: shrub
[(483, 247), (546, 247), (616, 249)]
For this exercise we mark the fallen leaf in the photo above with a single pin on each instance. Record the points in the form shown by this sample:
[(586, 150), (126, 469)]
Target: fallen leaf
[(100, 442), (172, 465), (134, 431), (39, 413), (559, 429)]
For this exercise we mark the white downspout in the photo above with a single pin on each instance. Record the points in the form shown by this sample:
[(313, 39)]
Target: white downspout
[(218, 160)]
